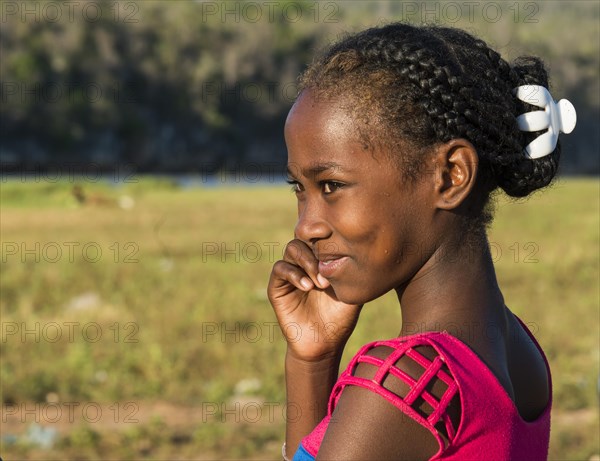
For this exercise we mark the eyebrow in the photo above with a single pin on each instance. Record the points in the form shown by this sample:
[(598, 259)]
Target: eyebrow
[(318, 167)]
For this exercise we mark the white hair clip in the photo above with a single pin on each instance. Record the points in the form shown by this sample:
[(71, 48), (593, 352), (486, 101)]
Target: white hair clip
[(555, 117)]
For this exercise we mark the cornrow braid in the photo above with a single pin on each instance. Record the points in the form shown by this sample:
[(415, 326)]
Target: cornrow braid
[(429, 84)]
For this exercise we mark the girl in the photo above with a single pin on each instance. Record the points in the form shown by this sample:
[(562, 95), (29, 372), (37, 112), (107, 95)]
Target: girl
[(396, 141)]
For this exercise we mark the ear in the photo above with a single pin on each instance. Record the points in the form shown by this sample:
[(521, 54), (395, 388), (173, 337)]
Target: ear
[(456, 164)]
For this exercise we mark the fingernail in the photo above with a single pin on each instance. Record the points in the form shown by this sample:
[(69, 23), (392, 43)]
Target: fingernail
[(306, 283), (322, 280)]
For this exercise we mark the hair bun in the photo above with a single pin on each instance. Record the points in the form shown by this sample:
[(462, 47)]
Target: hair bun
[(518, 175), (530, 71)]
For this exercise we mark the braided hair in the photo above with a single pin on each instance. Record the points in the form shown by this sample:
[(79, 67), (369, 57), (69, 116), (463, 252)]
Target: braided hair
[(424, 85)]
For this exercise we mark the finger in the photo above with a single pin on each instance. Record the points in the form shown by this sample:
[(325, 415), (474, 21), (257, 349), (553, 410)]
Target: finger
[(297, 252), (285, 274)]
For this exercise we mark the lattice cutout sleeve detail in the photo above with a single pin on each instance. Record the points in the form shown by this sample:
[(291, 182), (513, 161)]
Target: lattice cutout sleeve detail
[(418, 387)]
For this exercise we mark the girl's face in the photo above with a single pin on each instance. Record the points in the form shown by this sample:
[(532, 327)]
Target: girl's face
[(354, 208)]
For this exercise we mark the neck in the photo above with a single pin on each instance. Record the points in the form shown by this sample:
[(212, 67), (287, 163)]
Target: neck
[(455, 290)]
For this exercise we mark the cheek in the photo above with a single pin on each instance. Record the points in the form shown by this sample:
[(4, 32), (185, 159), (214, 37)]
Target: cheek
[(373, 229), (383, 241), (379, 242), (359, 231)]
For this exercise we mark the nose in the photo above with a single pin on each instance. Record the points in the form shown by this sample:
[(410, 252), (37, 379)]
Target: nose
[(311, 225)]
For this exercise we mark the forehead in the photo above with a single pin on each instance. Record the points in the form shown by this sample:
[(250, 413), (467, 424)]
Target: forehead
[(321, 118), (324, 135)]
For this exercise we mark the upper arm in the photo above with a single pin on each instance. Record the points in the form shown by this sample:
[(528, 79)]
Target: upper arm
[(389, 409)]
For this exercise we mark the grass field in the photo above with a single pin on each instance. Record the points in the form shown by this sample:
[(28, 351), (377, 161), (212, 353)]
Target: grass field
[(143, 331)]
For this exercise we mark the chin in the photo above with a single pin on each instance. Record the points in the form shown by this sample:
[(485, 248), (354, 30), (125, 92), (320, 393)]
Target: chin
[(352, 294)]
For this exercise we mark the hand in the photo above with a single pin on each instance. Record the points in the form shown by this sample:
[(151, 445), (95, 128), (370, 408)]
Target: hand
[(315, 324)]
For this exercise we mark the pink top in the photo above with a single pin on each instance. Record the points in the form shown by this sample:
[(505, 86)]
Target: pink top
[(490, 425)]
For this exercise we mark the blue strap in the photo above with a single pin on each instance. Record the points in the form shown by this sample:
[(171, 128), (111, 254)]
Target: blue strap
[(302, 455)]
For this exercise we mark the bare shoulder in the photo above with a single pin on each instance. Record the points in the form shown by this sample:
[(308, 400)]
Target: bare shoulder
[(387, 411)]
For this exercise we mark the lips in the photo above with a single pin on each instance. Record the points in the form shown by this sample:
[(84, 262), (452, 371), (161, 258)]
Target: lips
[(330, 265)]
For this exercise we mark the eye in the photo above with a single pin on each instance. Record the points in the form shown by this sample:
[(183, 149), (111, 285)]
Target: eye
[(296, 186), (331, 186)]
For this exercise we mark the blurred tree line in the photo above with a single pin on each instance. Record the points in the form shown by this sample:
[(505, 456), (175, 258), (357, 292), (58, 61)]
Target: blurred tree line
[(185, 86)]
